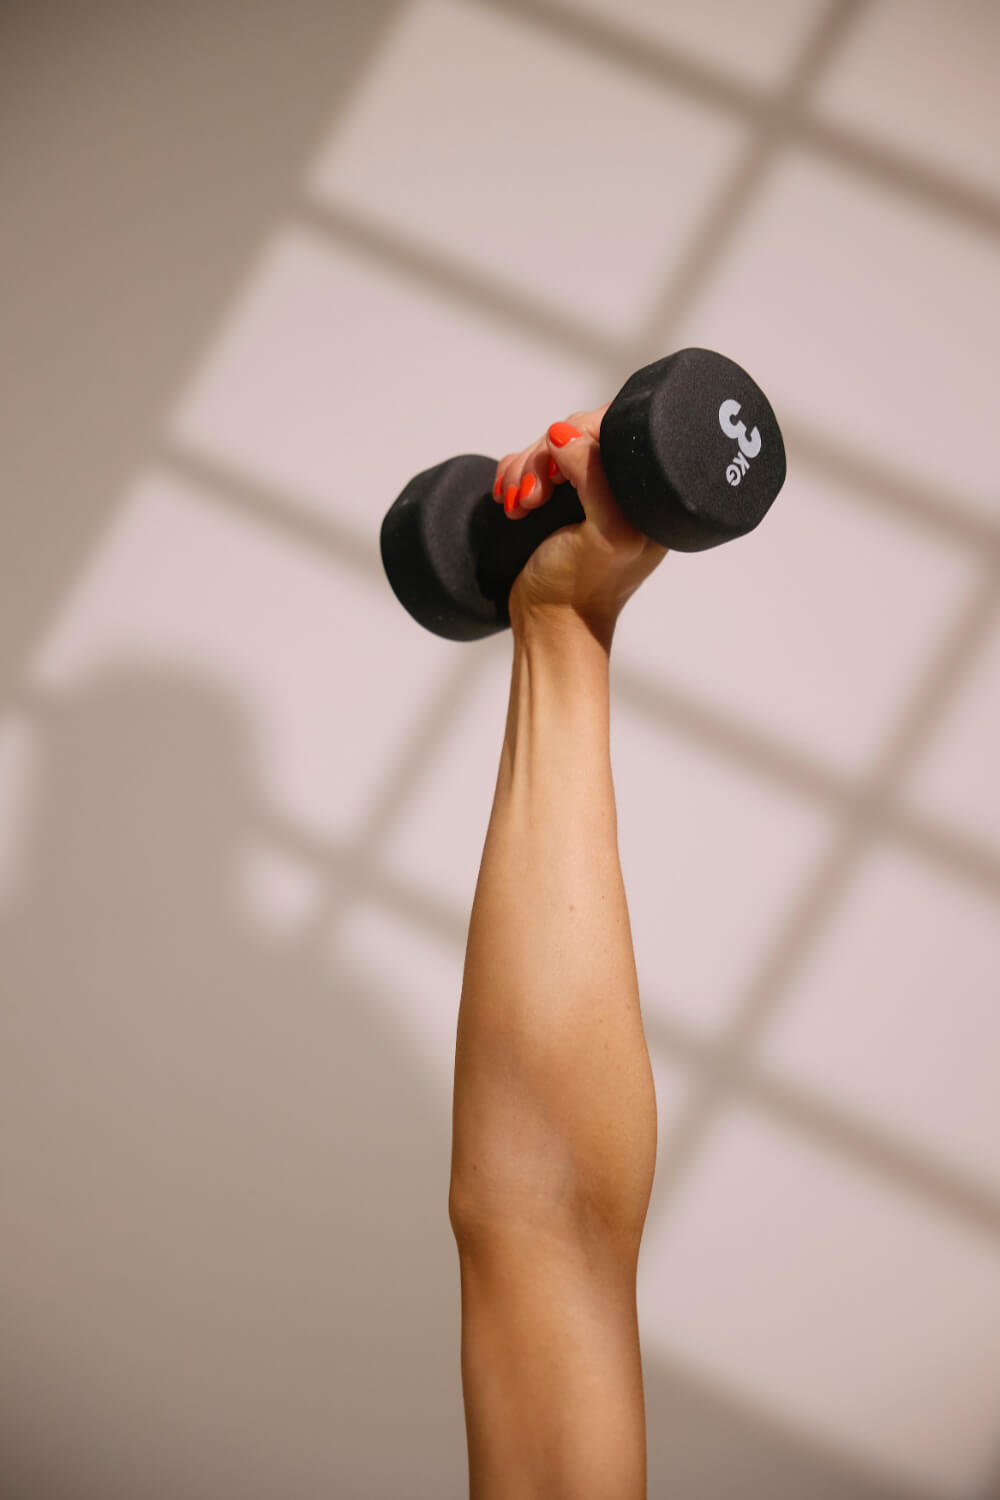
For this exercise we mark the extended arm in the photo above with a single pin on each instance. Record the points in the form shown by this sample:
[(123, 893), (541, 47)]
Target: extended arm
[(554, 1127)]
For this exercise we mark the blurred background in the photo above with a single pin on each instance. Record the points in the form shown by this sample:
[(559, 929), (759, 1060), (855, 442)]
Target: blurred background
[(262, 262)]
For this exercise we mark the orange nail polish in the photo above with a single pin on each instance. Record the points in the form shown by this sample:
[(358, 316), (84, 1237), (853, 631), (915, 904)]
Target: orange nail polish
[(510, 501), (498, 487), (527, 487), (562, 433), (554, 469)]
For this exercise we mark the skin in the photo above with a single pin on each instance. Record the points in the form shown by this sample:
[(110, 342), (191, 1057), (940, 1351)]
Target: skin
[(554, 1119), (558, 972)]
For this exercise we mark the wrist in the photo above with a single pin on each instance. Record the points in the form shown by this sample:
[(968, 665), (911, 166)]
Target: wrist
[(559, 709), (562, 627)]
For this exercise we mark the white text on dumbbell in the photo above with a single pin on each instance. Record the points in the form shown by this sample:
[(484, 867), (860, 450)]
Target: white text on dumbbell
[(749, 442)]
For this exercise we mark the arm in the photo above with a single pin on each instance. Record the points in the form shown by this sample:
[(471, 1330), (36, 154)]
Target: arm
[(554, 1126)]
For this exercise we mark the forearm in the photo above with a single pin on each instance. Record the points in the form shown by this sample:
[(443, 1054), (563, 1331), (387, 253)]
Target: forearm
[(554, 1107)]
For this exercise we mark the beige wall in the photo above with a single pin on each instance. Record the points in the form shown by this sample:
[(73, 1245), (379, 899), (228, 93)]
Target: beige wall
[(260, 264)]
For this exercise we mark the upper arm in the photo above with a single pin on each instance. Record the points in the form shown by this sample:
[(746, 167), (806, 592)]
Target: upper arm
[(551, 1370)]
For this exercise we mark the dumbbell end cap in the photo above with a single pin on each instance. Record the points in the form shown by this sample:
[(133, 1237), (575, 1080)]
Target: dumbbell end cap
[(693, 451), (431, 537)]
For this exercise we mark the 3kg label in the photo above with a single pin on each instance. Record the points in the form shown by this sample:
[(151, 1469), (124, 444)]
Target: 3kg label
[(749, 443)]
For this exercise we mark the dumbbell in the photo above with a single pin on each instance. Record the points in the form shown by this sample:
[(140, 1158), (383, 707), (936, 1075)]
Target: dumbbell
[(692, 452)]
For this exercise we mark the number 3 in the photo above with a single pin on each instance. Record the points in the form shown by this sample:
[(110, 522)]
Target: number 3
[(728, 411)]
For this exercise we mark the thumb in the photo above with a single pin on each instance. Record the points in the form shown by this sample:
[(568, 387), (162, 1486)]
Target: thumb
[(575, 448)]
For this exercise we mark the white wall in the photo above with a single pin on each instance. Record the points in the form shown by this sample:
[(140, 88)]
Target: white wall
[(262, 263)]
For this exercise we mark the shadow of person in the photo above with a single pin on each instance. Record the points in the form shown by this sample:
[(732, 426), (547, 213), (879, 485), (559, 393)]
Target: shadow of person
[(227, 1266)]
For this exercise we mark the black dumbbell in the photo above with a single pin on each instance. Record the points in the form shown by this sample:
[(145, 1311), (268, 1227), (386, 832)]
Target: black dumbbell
[(692, 452)]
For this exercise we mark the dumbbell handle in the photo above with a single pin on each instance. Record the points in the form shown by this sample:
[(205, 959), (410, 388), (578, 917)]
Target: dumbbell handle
[(511, 543)]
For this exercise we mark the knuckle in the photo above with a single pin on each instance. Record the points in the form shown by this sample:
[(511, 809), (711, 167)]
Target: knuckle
[(586, 421)]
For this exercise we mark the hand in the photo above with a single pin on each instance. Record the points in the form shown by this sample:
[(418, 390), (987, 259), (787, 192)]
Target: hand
[(590, 570)]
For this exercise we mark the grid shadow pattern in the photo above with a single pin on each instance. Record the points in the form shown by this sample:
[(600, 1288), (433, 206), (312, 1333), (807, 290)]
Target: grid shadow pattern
[(865, 811)]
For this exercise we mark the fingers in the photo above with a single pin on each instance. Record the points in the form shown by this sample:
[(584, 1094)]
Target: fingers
[(525, 480)]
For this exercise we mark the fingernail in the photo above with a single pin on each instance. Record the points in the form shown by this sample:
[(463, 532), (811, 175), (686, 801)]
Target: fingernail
[(554, 469), (498, 487), (562, 433), (510, 501), (527, 487)]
